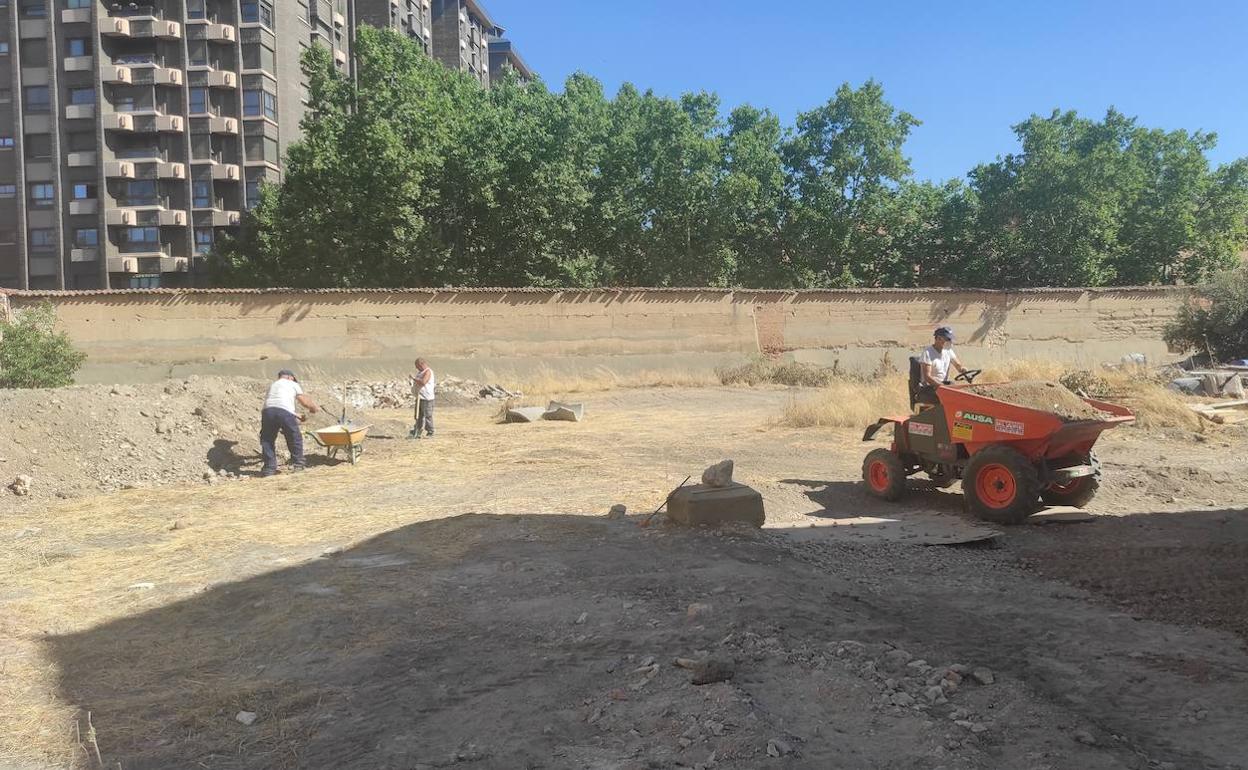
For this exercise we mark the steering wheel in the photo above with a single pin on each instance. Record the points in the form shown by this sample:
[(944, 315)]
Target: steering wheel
[(969, 376)]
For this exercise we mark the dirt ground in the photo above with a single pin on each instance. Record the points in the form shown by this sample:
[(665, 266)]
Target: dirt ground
[(465, 602)]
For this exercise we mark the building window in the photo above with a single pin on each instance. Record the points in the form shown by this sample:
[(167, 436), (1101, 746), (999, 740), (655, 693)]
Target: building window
[(83, 191), (6, 95), (38, 146), (80, 141), (37, 99), (260, 103), (35, 9), (201, 194), (140, 192), (259, 57), (42, 195), (141, 235), (262, 148), (195, 9), (199, 53), (203, 240), (253, 193), (4, 47), (42, 239), (77, 46), (8, 191), (78, 3), (199, 100), (145, 282), (258, 11), (6, 142), (8, 236), (82, 96), (86, 236)]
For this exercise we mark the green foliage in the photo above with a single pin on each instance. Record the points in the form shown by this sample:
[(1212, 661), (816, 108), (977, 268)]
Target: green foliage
[(415, 176), (33, 354), (1215, 317)]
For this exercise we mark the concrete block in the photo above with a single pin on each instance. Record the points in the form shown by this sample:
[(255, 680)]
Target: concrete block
[(702, 506)]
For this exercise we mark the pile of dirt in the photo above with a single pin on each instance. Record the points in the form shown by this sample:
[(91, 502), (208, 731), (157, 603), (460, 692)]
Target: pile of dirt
[(397, 394), (87, 439), (1042, 395)]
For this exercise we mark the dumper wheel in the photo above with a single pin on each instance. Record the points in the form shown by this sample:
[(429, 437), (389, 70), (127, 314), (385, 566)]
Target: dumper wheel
[(1001, 485), (1076, 492), (884, 474)]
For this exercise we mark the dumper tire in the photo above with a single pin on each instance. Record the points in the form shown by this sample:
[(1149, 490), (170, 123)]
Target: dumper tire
[(1001, 485), (1077, 492), (884, 474)]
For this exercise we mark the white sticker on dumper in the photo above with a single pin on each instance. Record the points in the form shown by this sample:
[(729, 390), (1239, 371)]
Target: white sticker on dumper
[(1009, 426), (921, 428)]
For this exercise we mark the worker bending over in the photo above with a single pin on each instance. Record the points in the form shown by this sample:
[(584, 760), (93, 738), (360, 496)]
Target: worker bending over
[(279, 416)]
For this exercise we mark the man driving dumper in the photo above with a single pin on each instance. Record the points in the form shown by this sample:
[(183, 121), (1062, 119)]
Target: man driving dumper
[(934, 365)]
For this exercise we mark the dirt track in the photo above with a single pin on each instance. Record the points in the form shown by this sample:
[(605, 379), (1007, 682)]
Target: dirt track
[(450, 603)]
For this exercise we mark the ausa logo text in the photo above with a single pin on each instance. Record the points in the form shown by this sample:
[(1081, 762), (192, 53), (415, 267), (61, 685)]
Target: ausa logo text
[(982, 419)]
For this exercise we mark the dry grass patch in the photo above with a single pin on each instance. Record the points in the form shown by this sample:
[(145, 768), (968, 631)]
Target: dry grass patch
[(761, 371), (848, 404), (545, 382)]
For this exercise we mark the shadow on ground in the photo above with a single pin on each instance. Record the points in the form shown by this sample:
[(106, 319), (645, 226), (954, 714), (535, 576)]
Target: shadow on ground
[(482, 638)]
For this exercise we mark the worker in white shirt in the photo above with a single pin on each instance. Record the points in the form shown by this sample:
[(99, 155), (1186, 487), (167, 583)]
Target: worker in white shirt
[(279, 416), (935, 364), (423, 383)]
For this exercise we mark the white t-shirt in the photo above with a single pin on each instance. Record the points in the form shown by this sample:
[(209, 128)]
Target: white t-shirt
[(426, 391), (941, 361), (282, 395)]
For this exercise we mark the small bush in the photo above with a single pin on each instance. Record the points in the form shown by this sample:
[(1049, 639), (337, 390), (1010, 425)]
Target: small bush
[(1215, 318), (760, 371), (33, 354)]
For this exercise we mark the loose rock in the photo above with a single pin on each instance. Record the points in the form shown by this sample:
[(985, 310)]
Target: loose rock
[(983, 676), (713, 670), (617, 512), (246, 717), (718, 475), (778, 748), (21, 485)]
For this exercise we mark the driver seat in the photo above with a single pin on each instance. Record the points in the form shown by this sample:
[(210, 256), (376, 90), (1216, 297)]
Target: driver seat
[(915, 383)]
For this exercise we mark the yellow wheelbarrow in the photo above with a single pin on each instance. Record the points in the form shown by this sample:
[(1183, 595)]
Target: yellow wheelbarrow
[(349, 438)]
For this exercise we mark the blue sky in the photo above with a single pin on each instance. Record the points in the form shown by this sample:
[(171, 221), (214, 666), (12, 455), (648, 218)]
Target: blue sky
[(968, 70)]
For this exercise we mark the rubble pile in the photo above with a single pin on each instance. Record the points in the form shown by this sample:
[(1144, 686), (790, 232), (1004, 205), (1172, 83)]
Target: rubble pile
[(398, 394)]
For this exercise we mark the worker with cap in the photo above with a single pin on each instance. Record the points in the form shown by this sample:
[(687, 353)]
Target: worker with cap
[(935, 364), (279, 416)]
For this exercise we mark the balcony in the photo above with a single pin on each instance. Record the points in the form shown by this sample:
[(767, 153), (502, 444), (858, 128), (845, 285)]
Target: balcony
[(117, 121), (222, 79), (223, 125), (174, 264), (85, 254), (339, 20), (76, 16), (123, 264), (80, 159), (340, 56), (115, 73), (141, 25), (79, 63), (171, 171), (218, 33), (89, 206), (158, 123), (219, 217), (114, 27), (79, 111), (143, 154), (228, 172), (147, 216), (119, 169)]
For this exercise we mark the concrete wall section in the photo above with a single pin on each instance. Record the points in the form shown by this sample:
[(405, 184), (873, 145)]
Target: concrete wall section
[(147, 335)]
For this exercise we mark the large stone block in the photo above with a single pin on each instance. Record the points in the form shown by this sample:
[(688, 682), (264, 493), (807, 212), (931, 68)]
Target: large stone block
[(702, 506)]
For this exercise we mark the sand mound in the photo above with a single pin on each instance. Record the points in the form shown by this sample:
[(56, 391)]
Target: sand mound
[(1043, 395)]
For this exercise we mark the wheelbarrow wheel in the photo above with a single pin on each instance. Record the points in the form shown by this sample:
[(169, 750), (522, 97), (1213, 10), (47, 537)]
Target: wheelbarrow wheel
[(884, 474), (1076, 492), (1001, 485)]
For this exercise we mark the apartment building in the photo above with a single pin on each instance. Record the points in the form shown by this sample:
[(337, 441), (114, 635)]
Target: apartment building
[(411, 17), (133, 134), (461, 36), (503, 55)]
